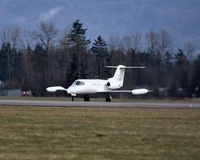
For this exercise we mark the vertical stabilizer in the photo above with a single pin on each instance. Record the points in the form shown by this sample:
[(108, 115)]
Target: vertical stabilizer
[(118, 79), (119, 74)]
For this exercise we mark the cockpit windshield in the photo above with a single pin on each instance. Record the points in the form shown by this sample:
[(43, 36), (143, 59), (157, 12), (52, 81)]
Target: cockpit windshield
[(79, 83)]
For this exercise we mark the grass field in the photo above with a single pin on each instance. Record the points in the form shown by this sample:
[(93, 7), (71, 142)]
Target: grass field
[(98, 133)]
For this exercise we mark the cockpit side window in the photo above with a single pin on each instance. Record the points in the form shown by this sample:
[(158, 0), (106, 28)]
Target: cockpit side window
[(79, 83)]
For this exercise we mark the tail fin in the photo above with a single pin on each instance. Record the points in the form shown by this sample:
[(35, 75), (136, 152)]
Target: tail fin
[(119, 73)]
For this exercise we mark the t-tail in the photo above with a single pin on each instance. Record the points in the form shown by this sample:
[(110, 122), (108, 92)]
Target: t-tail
[(117, 80)]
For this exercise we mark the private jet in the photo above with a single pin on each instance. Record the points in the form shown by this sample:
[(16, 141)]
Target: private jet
[(91, 86)]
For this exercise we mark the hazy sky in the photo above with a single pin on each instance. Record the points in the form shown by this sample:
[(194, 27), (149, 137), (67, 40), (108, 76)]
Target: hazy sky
[(181, 18)]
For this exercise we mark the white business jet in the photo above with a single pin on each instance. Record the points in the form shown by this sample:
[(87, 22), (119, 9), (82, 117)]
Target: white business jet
[(90, 86)]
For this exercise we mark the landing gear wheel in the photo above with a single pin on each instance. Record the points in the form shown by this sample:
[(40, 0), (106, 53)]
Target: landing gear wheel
[(73, 98), (86, 98), (108, 98)]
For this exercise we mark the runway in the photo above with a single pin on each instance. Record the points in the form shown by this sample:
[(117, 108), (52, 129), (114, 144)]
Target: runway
[(49, 103)]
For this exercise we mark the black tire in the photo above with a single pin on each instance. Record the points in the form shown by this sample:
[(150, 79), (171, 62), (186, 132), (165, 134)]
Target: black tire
[(108, 99), (86, 98)]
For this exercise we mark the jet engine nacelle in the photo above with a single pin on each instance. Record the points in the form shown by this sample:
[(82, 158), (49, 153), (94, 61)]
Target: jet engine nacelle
[(140, 91), (111, 84)]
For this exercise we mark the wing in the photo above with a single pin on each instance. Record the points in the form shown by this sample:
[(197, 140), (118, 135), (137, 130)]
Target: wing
[(116, 91), (134, 91)]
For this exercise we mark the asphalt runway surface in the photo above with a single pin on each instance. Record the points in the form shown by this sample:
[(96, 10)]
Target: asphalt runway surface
[(49, 103)]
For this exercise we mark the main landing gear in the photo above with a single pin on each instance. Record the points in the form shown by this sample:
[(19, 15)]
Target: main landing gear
[(86, 98), (108, 98)]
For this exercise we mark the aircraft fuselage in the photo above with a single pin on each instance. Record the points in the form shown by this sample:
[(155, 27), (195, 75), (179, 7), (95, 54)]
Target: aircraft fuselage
[(85, 86)]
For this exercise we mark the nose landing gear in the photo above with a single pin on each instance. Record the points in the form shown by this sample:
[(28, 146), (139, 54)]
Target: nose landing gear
[(73, 95)]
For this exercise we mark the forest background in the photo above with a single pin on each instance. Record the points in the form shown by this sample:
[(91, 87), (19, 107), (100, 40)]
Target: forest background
[(45, 56)]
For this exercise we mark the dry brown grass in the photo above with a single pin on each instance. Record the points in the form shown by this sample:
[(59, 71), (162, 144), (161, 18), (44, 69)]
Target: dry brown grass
[(98, 133)]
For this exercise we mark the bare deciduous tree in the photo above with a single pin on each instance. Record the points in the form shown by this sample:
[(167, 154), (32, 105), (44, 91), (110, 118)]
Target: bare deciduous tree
[(26, 40), (113, 43), (165, 42), (15, 36), (116, 50), (64, 42), (5, 35), (127, 43), (152, 41), (11, 35), (133, 42), (159, 42), (137, 40), (45, 35), (190, 49)]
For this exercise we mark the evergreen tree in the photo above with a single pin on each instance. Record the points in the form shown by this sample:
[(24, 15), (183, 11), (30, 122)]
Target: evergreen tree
[(27, 66), (17, 69), (72, 74), (40, 59), (77, 35), (5, 49), (79, 44), (167, 61), (181, 71), (99, 48), (40, 65), (168, 68), (8, 56), (196, 78)]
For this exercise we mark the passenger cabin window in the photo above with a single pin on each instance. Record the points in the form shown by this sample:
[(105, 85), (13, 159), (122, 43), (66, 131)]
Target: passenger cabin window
[(79, 83)]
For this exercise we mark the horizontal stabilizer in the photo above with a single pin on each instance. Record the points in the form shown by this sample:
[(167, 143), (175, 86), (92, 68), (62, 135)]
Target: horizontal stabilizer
[(56, 88), (126, 67)]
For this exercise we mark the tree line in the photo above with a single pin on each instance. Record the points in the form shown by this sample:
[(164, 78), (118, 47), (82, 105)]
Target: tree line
[(34, 60)]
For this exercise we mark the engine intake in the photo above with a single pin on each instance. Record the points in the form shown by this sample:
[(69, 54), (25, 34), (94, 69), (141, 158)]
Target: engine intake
[(108, 84), (113, 85)]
